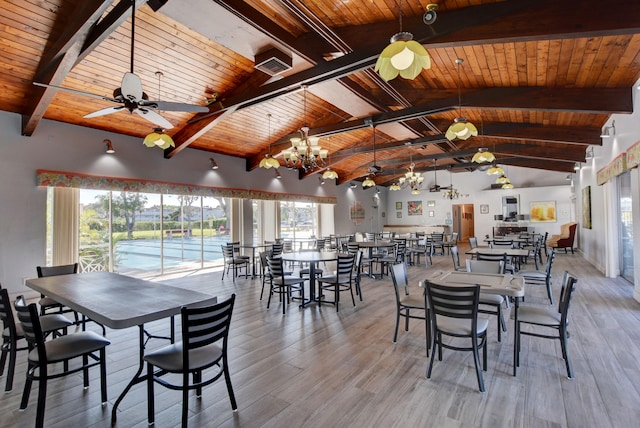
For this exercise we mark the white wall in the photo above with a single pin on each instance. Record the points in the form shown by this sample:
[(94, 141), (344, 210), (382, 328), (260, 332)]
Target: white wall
[(62, 147), (599, 245), (475, 189), (369, 199)]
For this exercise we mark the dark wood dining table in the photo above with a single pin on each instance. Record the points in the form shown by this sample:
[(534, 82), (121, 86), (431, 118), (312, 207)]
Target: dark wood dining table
[(118, 302)]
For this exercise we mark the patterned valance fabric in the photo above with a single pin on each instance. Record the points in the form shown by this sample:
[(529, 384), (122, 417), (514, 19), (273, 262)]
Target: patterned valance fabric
[(612, 169), (83, 181), (633, 156)]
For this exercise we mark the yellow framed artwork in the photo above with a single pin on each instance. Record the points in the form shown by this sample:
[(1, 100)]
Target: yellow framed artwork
[(543, 212)]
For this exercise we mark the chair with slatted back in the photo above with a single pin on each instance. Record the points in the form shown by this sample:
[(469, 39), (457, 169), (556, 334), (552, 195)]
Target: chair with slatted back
[(277, 248), (508, 267), (47, 304), (408, 303), (455, 256), (494, 301), (438, 243), (541, 277), (231, 262), (205, 333), (87, 345), (12, 333), (451, 241), (539, 318), (356, 272), (454, 313), (338, 282), (320, 245), (282, 284)]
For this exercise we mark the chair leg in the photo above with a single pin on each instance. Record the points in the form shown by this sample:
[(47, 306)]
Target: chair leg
[(565, 352), (103, 375), (12, 365), (227, 379), (27, 391), (395, 333), (150, 396), (185, 401), (433, 354), (42, 396), (476, 360), (6, 346), (548, 283), (500, 322)]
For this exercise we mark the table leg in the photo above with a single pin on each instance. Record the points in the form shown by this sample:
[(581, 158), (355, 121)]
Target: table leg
[(136, 377)]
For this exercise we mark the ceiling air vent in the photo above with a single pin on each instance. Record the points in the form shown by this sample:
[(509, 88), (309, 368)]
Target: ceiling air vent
[(273, 61)]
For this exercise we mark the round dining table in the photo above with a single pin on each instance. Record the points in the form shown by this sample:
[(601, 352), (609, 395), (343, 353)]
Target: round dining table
[(312, 258)]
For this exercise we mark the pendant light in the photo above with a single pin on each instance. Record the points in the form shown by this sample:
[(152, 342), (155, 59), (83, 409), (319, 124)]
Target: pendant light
[(158, 138), (269, 161), (368, 182), (460, 129), (404, 56)]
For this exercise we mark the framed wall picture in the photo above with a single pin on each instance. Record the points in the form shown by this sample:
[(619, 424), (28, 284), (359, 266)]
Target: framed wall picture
[(586, 207), (432, 213), (484, 209), (431, 203), (398, 214), (414, 208), (398, 205), (543, 212)]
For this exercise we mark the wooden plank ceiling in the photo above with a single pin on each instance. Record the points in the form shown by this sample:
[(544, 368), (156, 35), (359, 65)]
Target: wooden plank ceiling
[(539, 78)]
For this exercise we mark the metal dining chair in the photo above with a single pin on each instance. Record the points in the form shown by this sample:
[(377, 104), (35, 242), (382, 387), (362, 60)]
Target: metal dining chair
[(87, 345), (454, 313), (205, 333), (409, 305), (545, 319), (12, 332)]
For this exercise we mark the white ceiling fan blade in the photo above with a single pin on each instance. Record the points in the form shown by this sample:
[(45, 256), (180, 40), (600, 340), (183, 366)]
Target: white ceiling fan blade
[(75, 91), (154, 117), (131, 86), (103, 112), (172, 106)]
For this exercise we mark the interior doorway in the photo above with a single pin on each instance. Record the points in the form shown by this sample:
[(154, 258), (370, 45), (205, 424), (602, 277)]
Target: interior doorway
[(463, 221)]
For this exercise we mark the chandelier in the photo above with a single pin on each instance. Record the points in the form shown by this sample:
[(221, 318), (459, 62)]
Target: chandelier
[(460, 129), (305, 151), (451, 192), (411, 179)]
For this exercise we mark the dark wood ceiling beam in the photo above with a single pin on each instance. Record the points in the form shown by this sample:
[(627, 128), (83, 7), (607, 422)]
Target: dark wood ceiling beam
[(591, 100), (58, 61), (192, 132), (83, 33), (364, 57), (257, 20), (530, 21)]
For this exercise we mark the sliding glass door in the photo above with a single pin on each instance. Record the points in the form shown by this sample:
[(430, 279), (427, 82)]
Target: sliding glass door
[(626, 226)]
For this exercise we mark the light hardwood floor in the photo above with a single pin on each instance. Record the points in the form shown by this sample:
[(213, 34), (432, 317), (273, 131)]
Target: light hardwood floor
[(318, 368)]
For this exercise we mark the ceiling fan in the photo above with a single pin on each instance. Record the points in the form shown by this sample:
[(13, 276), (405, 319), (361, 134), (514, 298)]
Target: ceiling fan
[(130, 96), (435, 187)]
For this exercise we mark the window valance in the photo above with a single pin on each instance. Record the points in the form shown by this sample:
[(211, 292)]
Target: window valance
[(613, 169), (633, 156), (47, 178)]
